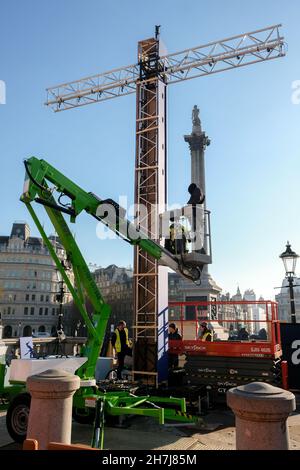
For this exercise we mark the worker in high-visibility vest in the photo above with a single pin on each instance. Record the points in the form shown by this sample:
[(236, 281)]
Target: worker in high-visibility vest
[(121, 344), (205, 332), (176, 242)]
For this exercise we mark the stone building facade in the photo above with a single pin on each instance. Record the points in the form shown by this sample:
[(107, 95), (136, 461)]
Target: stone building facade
[(284, 303), (252, 316), (29, 284), (183, 290), (116, 285)]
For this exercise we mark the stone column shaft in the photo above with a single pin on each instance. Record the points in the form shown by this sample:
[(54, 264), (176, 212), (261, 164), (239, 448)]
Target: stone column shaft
[(198, 141)]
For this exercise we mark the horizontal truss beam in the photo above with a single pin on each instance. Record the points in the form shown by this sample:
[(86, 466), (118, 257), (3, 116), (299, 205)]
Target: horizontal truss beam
[(234, 52)]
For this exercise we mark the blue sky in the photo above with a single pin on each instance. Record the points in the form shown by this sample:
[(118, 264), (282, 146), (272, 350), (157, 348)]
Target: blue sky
[(252, 165)]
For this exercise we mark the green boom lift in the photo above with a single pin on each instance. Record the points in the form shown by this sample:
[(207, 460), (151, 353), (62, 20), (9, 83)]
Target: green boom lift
[(42, 182)]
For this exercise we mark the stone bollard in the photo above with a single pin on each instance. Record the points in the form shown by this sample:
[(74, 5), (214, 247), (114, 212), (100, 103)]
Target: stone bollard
[(50, 417), (261, 413)]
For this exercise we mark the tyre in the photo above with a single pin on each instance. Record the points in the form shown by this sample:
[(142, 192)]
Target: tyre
[(111, 375), (17, 417), (84, 415)]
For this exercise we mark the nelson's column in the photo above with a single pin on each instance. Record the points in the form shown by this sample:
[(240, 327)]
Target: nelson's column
[(208, 289)]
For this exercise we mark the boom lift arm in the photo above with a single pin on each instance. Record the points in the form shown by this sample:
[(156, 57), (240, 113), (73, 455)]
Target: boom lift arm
[(36, 189), (39, 174)]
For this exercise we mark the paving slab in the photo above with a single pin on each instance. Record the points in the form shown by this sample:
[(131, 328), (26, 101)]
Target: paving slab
[(4, 436), (144, 433)]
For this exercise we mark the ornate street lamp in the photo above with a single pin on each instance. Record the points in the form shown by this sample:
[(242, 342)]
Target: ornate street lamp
[(289, 259)]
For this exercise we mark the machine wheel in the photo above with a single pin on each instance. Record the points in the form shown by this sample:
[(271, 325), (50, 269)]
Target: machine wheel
[(111, 375), (17, 417), (84, 415)]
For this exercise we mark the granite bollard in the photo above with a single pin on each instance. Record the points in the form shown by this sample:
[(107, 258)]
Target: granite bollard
[(261, 411), (50, 417)]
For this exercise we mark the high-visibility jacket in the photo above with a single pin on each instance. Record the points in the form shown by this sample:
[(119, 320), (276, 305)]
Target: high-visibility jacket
[(207, 336), (178, 239), (118, 346)]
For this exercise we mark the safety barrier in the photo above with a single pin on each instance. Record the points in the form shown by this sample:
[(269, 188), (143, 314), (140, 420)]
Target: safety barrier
[(239, 328)]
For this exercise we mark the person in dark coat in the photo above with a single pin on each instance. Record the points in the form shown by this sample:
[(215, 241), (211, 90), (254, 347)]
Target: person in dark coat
[(262, 334), (196, 197), (243, 334), (173, 335)]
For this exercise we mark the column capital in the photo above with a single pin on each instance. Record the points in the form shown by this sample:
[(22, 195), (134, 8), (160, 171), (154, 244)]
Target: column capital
[(197, 141)]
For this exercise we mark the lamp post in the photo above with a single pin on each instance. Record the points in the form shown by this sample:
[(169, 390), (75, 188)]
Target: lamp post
[(60, 299), (289, 259)]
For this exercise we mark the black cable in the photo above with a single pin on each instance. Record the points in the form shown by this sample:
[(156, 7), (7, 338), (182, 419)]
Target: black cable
[(55, 206), (43, 188), (69, 206)]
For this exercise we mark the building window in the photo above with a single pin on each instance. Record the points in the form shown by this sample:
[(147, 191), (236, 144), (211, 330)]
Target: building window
[(42, 298), (25, 310), (46, 311), (8, 310), (27, 298), (33, 297), (41, 311), (53, 311), (31, 310), (47, 298)]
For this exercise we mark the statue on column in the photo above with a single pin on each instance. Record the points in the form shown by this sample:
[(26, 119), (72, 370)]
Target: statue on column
[(195, 116)]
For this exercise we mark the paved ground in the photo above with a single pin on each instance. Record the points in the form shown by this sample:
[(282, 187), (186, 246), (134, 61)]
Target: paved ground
[(146, 434)]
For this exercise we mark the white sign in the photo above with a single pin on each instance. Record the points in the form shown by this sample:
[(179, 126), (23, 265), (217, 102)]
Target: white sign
[(296, 354), (26, 345)]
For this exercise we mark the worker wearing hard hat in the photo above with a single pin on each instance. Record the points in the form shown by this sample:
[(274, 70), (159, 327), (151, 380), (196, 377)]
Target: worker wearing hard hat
[(176, 243), (205, 333)]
